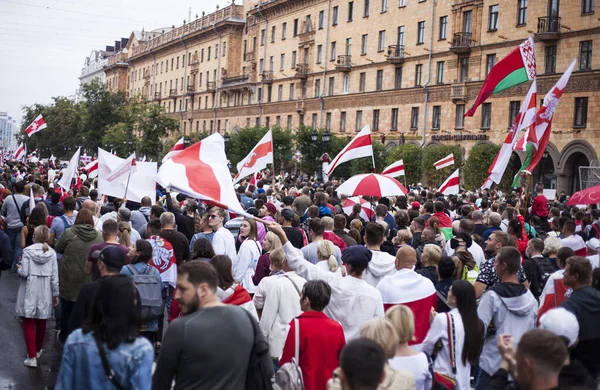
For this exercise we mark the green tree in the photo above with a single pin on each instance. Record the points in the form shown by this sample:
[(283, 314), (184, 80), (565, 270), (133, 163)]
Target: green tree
[(153, 125), (412, 156), (475, 170), (433, 177)]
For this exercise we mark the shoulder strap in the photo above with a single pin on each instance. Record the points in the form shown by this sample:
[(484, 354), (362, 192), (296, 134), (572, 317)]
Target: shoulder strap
[(442, 297), (132, 269), (16, 204), (295, 286), (297, 340), (451, 341), (108, 371)]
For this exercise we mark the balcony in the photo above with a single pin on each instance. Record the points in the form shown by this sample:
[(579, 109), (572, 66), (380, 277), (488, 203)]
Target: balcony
[(395, 54), (195, 65), (548, 28), (172, 93), (267, 77), (461, 43), (300, 106), (191, 89), (250, 56), (301, 71), (236, 83), (458, 93), (156, 95), (307, 34), (344, 63), (147, 75), (211, 86)]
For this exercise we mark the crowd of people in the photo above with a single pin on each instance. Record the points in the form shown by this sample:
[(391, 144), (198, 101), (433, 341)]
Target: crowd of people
[(479, 290)]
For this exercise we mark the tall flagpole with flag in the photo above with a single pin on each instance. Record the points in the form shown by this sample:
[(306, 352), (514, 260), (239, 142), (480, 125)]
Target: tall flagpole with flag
[(360, 146)]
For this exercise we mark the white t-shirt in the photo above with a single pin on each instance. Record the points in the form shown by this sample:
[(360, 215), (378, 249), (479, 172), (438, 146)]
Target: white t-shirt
[(418, 365), (474, 249), (224, 244), (324, 265)]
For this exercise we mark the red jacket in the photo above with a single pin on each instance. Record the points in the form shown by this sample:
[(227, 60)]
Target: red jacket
[(522, 243), (336, 240), (445, 220), (539, 206), (321, 342)]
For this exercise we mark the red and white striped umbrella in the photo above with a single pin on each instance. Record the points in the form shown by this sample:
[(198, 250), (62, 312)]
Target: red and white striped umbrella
[(371, 184), (366, 211)]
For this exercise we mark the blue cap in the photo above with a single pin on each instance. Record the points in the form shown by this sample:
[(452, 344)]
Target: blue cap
[(356, 254)]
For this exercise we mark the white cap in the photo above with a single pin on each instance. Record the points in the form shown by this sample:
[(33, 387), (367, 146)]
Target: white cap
[(561, 322), (594, 244)]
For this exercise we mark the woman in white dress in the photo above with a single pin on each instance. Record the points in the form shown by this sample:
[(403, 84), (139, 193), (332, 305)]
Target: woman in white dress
[(327, 260), (247, 257)]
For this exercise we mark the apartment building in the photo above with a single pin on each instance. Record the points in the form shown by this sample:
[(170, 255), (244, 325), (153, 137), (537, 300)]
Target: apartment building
[(409, 68)]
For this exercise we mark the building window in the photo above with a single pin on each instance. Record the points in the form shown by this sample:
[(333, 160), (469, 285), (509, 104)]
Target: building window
[(367, 8), (587, 6), (364, 44), (400, 38), (207, 57), (414, 118), (394, 124), (267, 121), (375, 120), (440, 72), (384, 5), (401, 3), (581, 105), (486, 116), (273, 34), (420, 33), (459, 121), (335, 15), (283, 31), (331, 86), (550, 59), (522, 13), (362, 81), (435, 120), (443, 27), (263, 37), (289, 121), (350, 11), (317, 87), (295, 27), (328, 121), (493, 18), (381, 41), (398, 77), (333, 50), (585, 55), (418, 74), (343, 121), (490, 61), (358, 120), (216, 51), (282, 62), (319, 53), (379, 82), (321, 19), (464, 69), (315, 118), (292, 90), (280, 93), (346, 83), (513, 111), (294, 59)]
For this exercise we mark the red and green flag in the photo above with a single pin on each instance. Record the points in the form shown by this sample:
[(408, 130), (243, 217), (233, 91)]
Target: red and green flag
[(514, 69)]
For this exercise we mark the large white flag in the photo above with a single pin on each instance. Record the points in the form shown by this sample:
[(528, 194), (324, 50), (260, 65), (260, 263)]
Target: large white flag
[(360, 146), (123, 171), (257, 159), (70, 171)]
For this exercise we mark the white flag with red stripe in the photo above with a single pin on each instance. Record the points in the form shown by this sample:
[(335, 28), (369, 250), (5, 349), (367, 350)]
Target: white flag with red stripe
[(123, 171), (360, 146), (20, 152), (445, 162), (70, 171), (487, 184), (396, 169), (38, 124), (178, 147), (451, 186), (257, 159), (92, 169), (201, 172)]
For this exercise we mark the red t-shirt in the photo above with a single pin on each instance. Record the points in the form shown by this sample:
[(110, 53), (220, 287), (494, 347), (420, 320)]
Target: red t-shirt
[(540, 206)]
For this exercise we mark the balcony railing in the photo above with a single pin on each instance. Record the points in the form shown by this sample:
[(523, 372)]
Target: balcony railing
[(307, 33), (172, 92), (156, 95), (395, 54), (211, 86), (302, 71), (267, 76), (147, 75), (461, 43), (191, 89), (458, 92), (344, 63), (194, 66), (250, 56), (548, 28), (300, 106)]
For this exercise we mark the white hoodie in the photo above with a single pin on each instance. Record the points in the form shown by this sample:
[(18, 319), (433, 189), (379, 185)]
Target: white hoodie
[(381, 264)]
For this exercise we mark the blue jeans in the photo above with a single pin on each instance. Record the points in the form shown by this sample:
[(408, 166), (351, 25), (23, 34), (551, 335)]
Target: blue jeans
[(482, 380), (14, 235)]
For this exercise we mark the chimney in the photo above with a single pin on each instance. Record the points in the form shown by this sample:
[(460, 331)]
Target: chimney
[(110, 49), (124, 42), (117, 46)]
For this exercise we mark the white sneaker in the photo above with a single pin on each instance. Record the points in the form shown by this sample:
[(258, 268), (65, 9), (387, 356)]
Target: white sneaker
[(30, 362), (39, 354)]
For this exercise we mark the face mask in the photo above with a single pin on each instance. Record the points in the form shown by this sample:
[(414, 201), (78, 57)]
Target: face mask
[(454, 243)]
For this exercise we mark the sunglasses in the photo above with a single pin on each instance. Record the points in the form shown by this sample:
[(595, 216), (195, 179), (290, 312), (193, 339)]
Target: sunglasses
[(213, 216)]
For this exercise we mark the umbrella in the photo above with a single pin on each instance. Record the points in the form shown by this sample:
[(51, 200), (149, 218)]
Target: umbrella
[(588, 196), (371, 184), (365, 213)]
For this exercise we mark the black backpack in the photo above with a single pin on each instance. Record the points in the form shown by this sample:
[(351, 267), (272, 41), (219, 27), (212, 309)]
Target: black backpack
[(545, 268), (260, 366)]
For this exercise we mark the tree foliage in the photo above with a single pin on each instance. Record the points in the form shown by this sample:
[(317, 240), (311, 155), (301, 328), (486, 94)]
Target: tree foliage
[(433, 177), (474, 171), (412, 155)]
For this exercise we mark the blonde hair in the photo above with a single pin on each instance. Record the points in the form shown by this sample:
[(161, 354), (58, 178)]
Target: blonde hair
[(274, 240), (327, 249), (41, 234), (277, 257), (383, 333), (404, 236), (403, 320), (327, 223), (434, 254), (125, 231), (551, 246), (356, 224)]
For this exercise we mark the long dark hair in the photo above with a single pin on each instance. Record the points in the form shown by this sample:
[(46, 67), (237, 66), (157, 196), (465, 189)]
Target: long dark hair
[(222, 264), (115, 315), (467, 307)]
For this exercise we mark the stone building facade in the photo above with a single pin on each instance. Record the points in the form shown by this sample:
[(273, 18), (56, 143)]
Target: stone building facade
[(409, 68)]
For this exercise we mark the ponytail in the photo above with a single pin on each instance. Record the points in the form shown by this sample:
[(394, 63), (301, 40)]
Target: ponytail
[(332, 263), (125, 231), (45, 247), (41, 235)]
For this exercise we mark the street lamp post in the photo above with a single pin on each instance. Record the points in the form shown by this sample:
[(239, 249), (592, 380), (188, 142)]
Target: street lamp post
[(226, 139), (320, 145), (186, 142)]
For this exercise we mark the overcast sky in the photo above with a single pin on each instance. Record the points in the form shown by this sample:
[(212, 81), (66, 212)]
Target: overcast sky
[(44, 43)]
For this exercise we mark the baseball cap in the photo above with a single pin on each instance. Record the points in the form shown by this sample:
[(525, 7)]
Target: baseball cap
[(125, 214), (356, 254), (113, 257), (288, 214), (415, 205), (271, 207), (593, 244), (561, 322)]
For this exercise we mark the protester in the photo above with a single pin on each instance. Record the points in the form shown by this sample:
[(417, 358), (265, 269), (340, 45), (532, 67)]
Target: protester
[(362, 365), (141, 216), (38, 292), (555, 290), (321, 339), (109, 235), (339, 229), (124, 234), (295, 235), (248, 254), (478, 226), (446, 270), (468, 227), (223, 241), (186, 220), (572, 240), (328, 233), (494, 222), (316, 232), (36, 218), (124, 216), (202, 250), (111, 334), (180, 243), (155, 213), (229, 291), (205, 231), (263, 270), (381, 263), (63, 222), (327, 260), (11, 210), (430, 258), (466, 267)]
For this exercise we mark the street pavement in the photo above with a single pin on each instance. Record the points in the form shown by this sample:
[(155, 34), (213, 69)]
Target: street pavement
[(13, 373)]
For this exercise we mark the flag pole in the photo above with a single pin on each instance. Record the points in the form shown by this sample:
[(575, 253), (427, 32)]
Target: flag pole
[(373, 159), (127, 186)]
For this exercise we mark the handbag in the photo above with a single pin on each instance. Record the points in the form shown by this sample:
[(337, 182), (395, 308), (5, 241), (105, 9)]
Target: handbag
[(443, 381), (289, 376), (108, 371)]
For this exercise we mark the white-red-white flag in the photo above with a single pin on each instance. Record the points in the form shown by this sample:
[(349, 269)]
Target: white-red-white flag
[(20, 152), (487, 184), (38, 124), (178, 147), (257, 159), (360, 146), (92, 169), (201, 172), (452, 185), (144, 158), (396, 169), (445, 162), (70, 171), (123, 171)]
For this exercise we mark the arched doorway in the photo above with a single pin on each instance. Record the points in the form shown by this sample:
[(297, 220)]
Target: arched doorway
[(572, 165), (544, 172)]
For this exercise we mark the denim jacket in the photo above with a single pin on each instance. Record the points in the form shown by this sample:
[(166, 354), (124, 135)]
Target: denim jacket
[(81, 366)]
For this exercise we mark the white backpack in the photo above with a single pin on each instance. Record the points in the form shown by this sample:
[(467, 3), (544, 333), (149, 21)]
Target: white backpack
[(289, 376)]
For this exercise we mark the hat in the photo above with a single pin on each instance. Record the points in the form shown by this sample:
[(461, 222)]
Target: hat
[(561, 322), (415, 205), (593, 244), (252, 211), (271, 207), (356, 254), (124, 214), (113, 257), (288, 214)]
